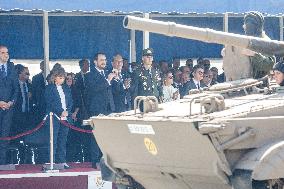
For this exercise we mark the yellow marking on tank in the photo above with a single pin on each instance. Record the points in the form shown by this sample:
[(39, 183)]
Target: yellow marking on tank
[(150, 146)]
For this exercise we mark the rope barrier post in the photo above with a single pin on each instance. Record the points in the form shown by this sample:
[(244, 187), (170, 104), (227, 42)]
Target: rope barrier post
[(50, 169), (51, 140)]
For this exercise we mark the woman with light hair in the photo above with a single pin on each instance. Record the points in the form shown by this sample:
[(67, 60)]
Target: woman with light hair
[(169, 92)]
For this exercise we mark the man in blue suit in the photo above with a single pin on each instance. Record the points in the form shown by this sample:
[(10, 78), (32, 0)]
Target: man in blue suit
[(98, 90), (8, 96)]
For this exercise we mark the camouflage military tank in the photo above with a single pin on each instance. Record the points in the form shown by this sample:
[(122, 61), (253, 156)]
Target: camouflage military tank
[(230, 135)]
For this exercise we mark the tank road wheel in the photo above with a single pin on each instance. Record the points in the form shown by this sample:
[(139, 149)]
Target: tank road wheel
[(241, 179), (269, 184)]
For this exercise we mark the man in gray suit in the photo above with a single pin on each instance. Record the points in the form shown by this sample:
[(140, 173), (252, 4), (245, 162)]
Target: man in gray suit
[(194, 83)]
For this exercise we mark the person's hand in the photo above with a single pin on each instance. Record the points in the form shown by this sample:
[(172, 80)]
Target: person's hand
[(175, 95), (64, 114), (3, 105), (74, 116), (9, 104), (116, 72), (223, 52), (248, 52), (110, 76)]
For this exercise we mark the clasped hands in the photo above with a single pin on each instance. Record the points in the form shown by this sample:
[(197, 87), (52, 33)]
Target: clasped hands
[(5, 105)]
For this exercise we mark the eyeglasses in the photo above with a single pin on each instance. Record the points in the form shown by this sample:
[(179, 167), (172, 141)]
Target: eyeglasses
[(208, 76), (170, 77), (200, 72)]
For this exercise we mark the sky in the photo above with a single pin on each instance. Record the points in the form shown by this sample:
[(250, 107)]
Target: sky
[(165, 6)]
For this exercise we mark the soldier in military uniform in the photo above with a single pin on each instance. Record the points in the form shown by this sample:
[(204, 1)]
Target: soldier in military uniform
[(261, 64), (146, 80), (244, 63)]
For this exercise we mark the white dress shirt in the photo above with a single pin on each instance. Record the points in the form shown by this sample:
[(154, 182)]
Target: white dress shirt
[(168, 93), (197, 83), (62, 97)]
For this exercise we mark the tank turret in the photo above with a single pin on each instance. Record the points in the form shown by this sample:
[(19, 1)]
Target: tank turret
[(266, 46), (236, 65)]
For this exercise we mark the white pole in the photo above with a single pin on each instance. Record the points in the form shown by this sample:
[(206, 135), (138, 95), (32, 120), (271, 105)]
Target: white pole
[(226, 22), (51, 140), (146, 34), (132, 46), (281, 27), (46, 43)]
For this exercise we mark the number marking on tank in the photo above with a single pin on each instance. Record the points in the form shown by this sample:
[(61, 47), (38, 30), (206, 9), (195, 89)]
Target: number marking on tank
[(141, 129), (150, 146)]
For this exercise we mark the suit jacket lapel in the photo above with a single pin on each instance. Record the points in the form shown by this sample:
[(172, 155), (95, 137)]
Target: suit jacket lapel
[(193, 86), (8, 68)]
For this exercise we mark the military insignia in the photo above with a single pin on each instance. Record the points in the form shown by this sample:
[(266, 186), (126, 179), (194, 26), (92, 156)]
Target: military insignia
[(143, 77), (150, 146), (100, 182)]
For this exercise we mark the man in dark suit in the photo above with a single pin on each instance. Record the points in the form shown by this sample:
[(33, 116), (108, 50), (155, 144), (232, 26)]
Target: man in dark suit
[(98, 99), (126, 75), (80, 85), (38, 87), (22, 106), (77, 144), (21, 120), (194, 83), (97, 87), (8, 96), (119, 85)]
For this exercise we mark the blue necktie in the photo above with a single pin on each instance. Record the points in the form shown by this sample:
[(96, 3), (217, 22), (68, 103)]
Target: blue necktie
[(3, 70)]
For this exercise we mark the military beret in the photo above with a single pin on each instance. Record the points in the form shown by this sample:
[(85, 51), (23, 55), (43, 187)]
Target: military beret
[(279, 66), (147, 52)]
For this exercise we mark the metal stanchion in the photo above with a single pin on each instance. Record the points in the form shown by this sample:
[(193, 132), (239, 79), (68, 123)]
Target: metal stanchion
[(50, 168), (51, 140)]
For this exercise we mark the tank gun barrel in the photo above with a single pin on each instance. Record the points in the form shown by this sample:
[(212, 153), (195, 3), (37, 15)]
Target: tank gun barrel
[(257, 44)]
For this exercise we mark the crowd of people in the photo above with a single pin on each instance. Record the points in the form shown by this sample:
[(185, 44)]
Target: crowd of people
[(96, 89), (100, 88)]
